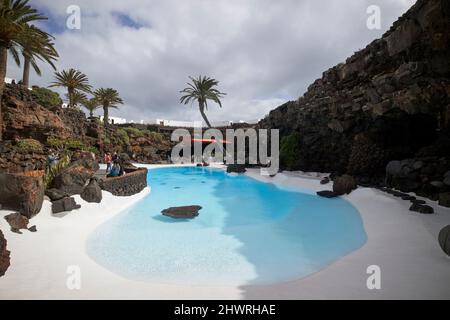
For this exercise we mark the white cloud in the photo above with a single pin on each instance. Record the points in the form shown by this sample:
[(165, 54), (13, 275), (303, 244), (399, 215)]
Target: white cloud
[(263, 52)]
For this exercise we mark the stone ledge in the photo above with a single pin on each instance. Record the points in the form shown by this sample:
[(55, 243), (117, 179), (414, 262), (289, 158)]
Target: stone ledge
[(126, 185)]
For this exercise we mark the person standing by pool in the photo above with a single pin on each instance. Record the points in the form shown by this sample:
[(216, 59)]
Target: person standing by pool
[(115, 157), (108, 161)]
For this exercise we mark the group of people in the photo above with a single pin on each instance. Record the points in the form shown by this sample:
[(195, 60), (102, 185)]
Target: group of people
[(113, 163), (113, 167)]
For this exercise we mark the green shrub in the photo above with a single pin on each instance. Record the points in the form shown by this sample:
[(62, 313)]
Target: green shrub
[(69, 144), (157, 137), (123, 136), (134, 131), (290, 151), (55, 143), (46, 97), (52, 172), (94, 150), (29, 145), (73, 144)]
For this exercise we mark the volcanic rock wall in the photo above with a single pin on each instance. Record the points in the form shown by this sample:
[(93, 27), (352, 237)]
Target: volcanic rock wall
[(24, 118), (386, 102)]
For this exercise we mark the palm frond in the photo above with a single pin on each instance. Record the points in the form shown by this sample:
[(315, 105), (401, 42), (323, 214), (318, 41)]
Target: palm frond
[(73, 80), (108, 97), (15, 15), (202, 89)]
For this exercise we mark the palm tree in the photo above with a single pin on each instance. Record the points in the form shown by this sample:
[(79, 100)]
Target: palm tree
[(201, 90), (91, 105), (14, 15), (107, 98), (73, 80), (78, 98), (34, 43)]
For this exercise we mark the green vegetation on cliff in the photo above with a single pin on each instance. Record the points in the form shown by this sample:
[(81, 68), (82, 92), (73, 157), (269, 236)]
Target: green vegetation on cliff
[(123, 136), (52, 172), (29, 146), (136, 133), (70, 144), (46, 97), (289, 150)]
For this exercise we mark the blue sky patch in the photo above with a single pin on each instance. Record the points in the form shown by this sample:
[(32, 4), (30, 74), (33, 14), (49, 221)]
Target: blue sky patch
[(126, 21)]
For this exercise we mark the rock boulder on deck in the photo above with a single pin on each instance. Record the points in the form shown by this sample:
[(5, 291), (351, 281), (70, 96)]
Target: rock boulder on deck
[(73, 179), (64, 205), (92, 192), (17, 222), (21, 193), (344, 185)]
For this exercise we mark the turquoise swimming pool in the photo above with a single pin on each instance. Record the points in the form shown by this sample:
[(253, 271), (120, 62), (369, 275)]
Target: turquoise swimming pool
[(248, 232)]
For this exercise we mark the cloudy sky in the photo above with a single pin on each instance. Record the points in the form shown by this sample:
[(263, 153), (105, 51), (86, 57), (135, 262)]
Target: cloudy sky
[(263, 52)]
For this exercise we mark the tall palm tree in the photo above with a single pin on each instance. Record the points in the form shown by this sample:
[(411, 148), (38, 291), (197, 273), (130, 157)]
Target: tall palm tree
[(201, 90), (35, 44), (14, 15), (107, 98), (91, 105), (73, 80), (78, 98)]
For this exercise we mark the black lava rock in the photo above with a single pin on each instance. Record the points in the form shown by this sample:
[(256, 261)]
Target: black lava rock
[(327, 194), (444, 239), (424, 209), (92, 192), (55, 194), (185, 212), (65, 204), (236, 168)]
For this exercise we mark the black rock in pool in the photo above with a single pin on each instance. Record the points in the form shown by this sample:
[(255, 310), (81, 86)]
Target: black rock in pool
[(184, 212)]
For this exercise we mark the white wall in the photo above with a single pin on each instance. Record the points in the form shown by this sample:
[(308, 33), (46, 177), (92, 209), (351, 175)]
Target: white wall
[(221, 123), (175, 123), (9, 80), (117, 120)]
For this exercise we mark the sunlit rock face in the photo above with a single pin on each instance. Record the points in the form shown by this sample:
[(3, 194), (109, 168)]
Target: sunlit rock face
[(384, 103), (24, 118), (21, 192)]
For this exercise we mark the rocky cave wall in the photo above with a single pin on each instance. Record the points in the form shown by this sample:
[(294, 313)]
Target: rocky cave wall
[(386, 102)]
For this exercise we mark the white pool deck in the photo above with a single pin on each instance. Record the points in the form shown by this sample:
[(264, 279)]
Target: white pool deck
[(402, 243)]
